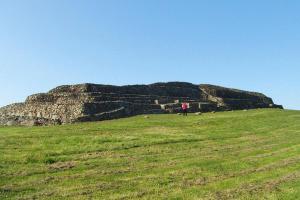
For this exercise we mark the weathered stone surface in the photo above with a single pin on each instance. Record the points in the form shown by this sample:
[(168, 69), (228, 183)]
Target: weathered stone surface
[(93, 102), (233, 99)]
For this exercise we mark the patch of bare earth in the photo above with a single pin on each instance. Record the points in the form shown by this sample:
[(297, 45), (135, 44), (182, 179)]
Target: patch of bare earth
[(62, 165)]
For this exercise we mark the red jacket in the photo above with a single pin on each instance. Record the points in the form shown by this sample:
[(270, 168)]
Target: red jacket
[(184, 106)]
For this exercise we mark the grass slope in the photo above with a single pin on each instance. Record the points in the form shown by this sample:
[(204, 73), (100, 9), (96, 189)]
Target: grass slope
[(229, 155)]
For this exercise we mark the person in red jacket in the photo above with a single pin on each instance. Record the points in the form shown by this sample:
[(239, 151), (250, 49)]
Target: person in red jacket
[(184, 107)]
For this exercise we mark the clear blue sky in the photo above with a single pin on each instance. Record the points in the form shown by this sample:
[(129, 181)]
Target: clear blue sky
[(252, 44)]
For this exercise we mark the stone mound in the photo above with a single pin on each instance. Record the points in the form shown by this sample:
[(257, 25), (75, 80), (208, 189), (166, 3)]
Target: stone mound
[(95, 102)]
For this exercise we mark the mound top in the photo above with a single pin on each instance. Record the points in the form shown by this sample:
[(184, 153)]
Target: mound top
[(93, 102)]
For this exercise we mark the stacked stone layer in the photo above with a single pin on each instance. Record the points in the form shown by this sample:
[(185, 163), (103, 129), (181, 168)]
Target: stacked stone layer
[(93, 102)]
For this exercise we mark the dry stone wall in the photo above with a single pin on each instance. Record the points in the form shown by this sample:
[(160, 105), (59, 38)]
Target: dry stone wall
[(93, 102)]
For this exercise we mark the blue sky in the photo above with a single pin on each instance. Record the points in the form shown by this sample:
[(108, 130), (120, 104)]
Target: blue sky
[(252, 45)]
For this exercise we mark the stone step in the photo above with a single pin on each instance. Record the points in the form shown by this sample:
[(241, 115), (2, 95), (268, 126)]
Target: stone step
[(67, 98), (152, 97), (113, 114), (132, 99), (142, 100)]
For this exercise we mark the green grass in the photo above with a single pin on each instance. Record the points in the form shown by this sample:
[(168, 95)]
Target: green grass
[(228, 155)]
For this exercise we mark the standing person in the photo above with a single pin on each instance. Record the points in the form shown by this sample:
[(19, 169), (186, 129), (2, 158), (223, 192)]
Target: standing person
[(184, 107)]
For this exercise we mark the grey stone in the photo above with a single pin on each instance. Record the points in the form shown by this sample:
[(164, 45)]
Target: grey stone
[(94, 102), (11, 123)]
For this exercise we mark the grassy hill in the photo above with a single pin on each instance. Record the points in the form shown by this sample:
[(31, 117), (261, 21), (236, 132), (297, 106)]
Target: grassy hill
[(231, 155)]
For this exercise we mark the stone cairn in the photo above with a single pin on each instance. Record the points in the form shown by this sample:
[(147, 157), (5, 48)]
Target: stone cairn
[(94, 102)]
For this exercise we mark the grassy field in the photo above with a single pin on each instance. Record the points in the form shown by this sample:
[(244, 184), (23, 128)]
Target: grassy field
[(229, 155)]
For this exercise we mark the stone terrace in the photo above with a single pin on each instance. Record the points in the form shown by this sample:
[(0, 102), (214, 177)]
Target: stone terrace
[(93, 102)]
